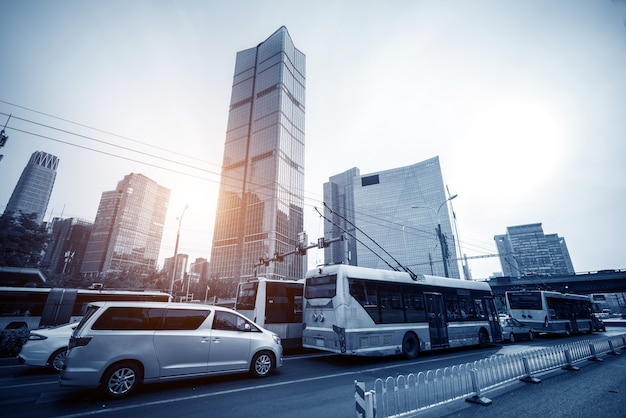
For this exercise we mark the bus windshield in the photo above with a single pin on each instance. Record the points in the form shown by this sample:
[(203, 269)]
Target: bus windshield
[(247, 296), (321, 287), (530, 300)]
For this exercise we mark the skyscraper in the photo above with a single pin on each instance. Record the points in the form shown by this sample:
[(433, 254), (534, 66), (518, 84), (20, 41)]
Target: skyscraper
[(261, 198), (33, 189), (127, 232), (526, 250), (393, 217)]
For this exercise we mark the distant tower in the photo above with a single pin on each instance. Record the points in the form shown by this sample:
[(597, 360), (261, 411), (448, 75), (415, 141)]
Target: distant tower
[(68, 242), (128, 229), (525, 250), (261, 199), (33, 189)]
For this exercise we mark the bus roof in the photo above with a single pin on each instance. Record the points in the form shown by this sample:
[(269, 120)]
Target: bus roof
[(396, 276)]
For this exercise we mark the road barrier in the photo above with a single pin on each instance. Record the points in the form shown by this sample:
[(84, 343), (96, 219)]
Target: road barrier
[(402, 395)]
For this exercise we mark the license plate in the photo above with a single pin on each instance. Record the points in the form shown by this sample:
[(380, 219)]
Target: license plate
[(319, 342)]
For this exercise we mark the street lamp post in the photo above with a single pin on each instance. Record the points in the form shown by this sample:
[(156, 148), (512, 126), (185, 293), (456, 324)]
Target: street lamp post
[(175, 267), (440, 235)]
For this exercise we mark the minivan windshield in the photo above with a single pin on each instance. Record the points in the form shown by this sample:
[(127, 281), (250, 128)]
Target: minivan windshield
[(91, 309)]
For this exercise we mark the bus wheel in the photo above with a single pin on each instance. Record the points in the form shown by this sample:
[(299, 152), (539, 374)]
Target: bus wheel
[(410, 345), (483, 338)]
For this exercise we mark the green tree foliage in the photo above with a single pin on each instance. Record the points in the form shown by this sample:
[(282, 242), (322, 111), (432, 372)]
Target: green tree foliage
[(22, 240)]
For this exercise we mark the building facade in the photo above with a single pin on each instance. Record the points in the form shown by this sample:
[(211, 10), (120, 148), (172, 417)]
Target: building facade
[(128, 229), (396, 217), (261, 198), (68, 243), (525, 250), (34, 187)]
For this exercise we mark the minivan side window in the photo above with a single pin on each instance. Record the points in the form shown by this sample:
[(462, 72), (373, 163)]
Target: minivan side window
[(129, 318), (184, 319), (228, 321)]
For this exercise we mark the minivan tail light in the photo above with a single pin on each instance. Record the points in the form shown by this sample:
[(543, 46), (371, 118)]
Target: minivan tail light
[(78, 342)]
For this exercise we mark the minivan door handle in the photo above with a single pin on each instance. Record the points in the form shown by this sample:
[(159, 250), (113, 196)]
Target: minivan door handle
[(204, 339), (217, 339)]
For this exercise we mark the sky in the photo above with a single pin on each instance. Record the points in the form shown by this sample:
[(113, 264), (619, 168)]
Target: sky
[(524, 102)]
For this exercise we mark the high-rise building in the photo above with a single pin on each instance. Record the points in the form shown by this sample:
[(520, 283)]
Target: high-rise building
[(127, 232), (68, 243), (261, 198), (525, 250), (33, 189), (392, 218)]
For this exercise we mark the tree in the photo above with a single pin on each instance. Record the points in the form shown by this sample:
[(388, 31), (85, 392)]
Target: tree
[(22, 240)]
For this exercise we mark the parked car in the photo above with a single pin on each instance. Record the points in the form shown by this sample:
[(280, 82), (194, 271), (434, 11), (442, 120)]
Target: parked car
[(597, 323), (120, 345), (47, 347), (512, 330)]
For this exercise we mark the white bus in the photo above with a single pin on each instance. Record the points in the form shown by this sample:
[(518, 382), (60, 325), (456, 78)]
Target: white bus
[(551, 312), (276, 305), (371, 312), (39, 307)]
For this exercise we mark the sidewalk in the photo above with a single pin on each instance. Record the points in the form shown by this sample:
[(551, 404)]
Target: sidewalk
[(598, 389)]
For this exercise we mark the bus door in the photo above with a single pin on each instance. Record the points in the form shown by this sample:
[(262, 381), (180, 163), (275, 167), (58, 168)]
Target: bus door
[(437, 321), (59, 307), (494, 321)]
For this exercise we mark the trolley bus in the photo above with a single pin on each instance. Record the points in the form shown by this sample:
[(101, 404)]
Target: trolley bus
[(551, 312), (36, 307), (371, 312), (276, 305)]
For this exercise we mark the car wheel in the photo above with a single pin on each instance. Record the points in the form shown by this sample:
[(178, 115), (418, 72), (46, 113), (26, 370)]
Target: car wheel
[(262, 364), (410, 346), (57, 360), (512, 337), (531, 335), (121, 380)]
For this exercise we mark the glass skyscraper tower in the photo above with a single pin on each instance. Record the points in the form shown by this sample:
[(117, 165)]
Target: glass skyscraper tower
[(128, 229), (525, 250), (33, 189), (392, 218), (261, 198)]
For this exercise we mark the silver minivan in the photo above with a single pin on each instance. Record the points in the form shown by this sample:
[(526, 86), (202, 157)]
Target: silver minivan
[(117, 346)]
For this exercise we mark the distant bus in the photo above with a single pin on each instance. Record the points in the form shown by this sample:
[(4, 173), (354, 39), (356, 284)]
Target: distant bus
[(551, 312), (276, 305), (36, 307), (371, 312)]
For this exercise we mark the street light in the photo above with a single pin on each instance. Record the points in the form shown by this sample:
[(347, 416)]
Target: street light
[(440, 235), (175, 267)]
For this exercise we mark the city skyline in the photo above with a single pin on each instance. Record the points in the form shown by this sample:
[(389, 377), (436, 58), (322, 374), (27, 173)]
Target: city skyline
[(522, 102)]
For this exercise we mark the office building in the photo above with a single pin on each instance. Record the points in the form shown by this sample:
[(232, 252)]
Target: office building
[(525, 250), (68, 243), (261, 197), (127, 232), (392, 218), (33, 189)]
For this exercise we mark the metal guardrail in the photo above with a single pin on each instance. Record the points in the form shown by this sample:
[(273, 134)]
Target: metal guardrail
[(403, 395)]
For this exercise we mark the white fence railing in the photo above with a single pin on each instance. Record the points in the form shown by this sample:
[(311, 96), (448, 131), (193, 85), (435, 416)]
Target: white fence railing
[(403, 395)]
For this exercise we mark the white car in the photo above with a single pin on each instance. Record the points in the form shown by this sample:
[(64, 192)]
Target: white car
[(47, 347)]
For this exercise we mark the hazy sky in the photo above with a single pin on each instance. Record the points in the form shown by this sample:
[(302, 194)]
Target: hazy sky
[(523, 101)]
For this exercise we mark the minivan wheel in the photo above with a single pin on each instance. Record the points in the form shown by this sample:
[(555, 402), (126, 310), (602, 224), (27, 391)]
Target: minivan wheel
[(262, 364), (121, 380), (57, 359)]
